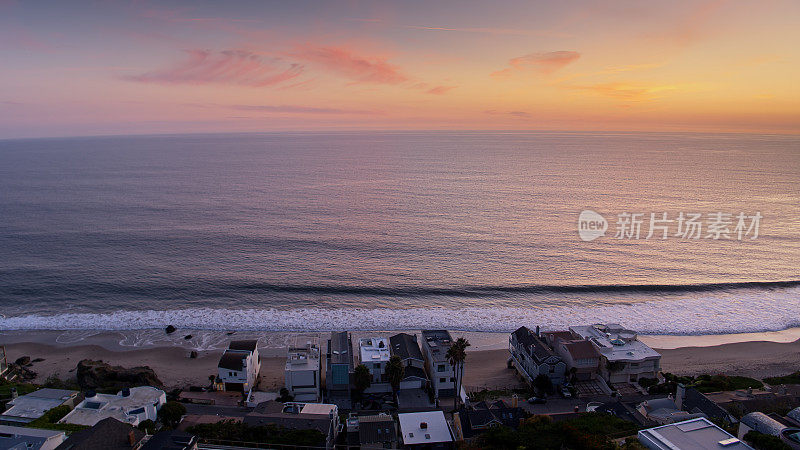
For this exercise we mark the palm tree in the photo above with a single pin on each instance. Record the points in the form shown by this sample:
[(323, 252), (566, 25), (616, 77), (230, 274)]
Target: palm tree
[(456, 355), (361, 379), (394, 372)]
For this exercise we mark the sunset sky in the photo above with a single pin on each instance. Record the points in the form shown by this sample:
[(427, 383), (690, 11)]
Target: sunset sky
[(105, 67)]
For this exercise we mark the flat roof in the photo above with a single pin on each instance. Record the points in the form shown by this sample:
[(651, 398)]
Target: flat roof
[(375, 349), (35, 404), (615, 342), (438, 341), (424, 428), (101, 406), (691, 434)]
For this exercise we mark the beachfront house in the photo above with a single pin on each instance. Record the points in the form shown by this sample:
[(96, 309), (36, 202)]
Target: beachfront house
[(239, 366), (340, 365), (322, 417), (303, 368), (580, 356), (27, 408), (435, 344), (405, 346), (374, 354), (532, 357), (623, 357), (130, 405), (427, 430), (24, 438)]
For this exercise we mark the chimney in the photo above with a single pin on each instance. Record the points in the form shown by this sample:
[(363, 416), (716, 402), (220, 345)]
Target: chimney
[(680, 392), (131, 438), (514, 401), (537, 330)]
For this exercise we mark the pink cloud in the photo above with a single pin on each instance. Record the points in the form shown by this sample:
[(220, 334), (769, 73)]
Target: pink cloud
[(358, 68), (542, 62), (439, 90), (236, 67)]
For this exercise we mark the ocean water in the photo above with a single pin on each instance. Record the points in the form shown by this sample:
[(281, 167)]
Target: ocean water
[(394, 230)]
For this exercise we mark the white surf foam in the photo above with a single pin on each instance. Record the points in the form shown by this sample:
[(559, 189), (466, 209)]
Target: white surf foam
[(754, 311)]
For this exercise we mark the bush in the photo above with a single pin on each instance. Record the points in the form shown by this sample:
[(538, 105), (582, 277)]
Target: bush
[(233, 431), (171, 413), (587, 431), (647, 382), (726, 383), (761, 441), (49, 420), (793, 378), (148, 426)]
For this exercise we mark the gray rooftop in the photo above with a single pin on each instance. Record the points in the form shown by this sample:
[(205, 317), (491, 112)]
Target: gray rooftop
[(34, 405), (25, 438), (695, 434), (341, 352), (439, 342)]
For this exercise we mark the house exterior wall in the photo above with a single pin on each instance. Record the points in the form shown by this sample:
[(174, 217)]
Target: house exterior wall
[(554, 368), (304, 385), (246, 377), (626, 371), (442, 376), (585, 368)]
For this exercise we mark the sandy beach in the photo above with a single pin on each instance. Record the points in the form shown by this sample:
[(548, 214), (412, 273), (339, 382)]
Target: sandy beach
[(485, 367)]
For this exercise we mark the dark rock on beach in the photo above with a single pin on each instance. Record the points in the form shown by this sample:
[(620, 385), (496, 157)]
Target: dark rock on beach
[(170, 329), (100, 375), (23, 361)]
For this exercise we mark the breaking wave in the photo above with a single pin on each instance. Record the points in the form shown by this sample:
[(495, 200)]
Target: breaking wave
[(749, 311)]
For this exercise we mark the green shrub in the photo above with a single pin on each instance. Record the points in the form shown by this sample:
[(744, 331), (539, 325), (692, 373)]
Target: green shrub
[(761, 441), (233, 431), (793, 378)]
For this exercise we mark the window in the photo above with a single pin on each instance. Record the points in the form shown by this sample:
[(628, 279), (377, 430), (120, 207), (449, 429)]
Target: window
[(442, 380), (452, 379), (441, 368)]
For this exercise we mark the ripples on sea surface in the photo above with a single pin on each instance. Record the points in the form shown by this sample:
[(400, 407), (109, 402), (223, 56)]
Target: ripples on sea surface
[(464, 230)]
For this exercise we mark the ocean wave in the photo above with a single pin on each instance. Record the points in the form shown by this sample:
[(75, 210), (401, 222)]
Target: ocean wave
[(702, 314)]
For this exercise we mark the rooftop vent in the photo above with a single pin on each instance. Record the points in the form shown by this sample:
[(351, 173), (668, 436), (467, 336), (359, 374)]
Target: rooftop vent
[(423, 425), (727, 442)]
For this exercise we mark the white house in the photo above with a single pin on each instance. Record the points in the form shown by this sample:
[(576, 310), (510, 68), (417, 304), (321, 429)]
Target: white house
[(435, 344), (623, 357), (374, 354), (29, 407), (303, 366), (239, 366), (131, 406), (425, 430)]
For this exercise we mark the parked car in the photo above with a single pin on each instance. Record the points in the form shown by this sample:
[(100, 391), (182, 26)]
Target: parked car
[(537, 400), (564, 391)]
